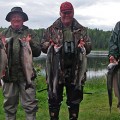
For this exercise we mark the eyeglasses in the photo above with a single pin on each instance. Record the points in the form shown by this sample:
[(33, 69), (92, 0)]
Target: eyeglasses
[(66, 12)]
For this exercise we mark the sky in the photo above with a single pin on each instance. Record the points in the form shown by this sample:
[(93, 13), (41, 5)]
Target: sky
[(100, 14)]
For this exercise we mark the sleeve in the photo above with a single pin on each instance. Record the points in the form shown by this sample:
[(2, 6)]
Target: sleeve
[(87, 41), (35, 44), (45, 40), (113, 42)]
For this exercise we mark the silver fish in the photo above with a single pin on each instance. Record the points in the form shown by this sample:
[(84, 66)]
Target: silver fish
[(3, 55), (3, 61), (52, 69), (82, 68), (27, 62), (56, 69), (112, 81), (49, 68)]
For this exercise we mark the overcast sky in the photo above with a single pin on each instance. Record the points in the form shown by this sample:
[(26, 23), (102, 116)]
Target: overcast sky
[(101, 14)]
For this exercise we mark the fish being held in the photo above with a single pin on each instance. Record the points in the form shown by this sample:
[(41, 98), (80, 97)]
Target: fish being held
[(52, 68), (82, 59), (3, 56), (3, 60), (26, 60), (112, 68)]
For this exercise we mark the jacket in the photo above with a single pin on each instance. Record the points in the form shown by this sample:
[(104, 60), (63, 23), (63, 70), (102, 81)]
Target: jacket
[(15, 70), (114, 42), (55, 33)]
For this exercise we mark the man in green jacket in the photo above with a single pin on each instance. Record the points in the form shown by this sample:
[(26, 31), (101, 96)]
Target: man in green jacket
[(69, 39), (14, 81), (114, 58)]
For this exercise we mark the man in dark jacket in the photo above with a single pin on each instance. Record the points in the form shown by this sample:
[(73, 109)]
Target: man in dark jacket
[(14, 81), (66, 43), (114, 58)]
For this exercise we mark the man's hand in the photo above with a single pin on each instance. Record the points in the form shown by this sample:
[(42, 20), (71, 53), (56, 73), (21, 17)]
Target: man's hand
[(113, 60), (81, 43)]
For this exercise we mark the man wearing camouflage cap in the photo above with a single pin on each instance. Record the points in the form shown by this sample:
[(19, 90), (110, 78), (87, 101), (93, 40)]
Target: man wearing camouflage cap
[(68, 38)]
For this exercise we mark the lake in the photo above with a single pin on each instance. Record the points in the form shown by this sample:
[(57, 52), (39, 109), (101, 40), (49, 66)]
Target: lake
[(97, 64)]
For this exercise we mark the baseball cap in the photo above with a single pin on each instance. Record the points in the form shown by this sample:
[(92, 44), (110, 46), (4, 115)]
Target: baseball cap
[(66, 6)]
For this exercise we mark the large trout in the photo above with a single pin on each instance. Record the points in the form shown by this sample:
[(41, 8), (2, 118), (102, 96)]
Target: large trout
[(3, 56), (27, 61), (82, 61), (112, 68), (3, 59), (53, 65)]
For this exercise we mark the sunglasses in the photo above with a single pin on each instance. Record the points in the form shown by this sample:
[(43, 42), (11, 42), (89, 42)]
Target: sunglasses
[(67, 12)]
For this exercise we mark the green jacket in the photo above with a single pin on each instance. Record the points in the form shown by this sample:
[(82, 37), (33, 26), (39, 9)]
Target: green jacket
[(114, 43), (15, 71)]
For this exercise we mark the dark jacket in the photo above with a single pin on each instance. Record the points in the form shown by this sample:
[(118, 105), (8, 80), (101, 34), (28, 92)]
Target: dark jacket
[(15, 70), (114, 43)]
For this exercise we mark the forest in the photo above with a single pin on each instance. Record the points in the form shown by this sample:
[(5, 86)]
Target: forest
[(98, 37)]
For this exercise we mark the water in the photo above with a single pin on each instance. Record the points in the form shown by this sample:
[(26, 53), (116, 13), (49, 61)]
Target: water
[(97, 64)]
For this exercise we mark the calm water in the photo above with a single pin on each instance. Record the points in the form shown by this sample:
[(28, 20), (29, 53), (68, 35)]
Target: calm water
[(96, 65)]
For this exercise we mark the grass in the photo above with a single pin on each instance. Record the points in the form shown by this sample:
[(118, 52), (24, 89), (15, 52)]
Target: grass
[(93, 107)]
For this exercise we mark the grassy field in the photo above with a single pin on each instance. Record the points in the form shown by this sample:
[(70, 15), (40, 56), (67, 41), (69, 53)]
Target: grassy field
[(94, 106)]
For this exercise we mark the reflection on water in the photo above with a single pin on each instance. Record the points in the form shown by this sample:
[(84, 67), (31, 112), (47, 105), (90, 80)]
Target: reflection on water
[(96, 65), (98, 73)]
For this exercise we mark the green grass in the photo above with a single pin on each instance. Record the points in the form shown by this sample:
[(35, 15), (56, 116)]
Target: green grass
[(93, 107)]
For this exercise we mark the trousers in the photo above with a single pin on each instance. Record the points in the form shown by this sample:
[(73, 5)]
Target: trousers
[(13, 92), (74, 97)]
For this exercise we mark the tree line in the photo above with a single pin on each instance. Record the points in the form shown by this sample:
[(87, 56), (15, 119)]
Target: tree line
[(99, 38)]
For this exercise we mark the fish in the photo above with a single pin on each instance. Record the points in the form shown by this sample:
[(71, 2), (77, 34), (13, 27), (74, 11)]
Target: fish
[(3, 56), (56, 68), (27, 61), (49, 69), (53, 65), (3, 60), (112, 68), (82, 59)]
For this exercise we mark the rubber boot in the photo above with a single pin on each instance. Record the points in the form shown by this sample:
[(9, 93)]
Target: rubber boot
[(73, 112), (54, 114), (31, 116)]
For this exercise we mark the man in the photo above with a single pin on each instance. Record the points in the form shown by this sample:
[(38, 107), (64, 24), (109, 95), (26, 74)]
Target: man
[(14, 81), (114, 59), (62, 42)]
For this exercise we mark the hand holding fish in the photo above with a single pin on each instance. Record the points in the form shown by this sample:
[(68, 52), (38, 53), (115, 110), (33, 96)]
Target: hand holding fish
[(81, 43), (26, 39), (113, 62)]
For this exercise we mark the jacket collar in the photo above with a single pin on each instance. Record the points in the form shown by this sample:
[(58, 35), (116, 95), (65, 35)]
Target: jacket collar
[(20, 30), (75, 25)]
